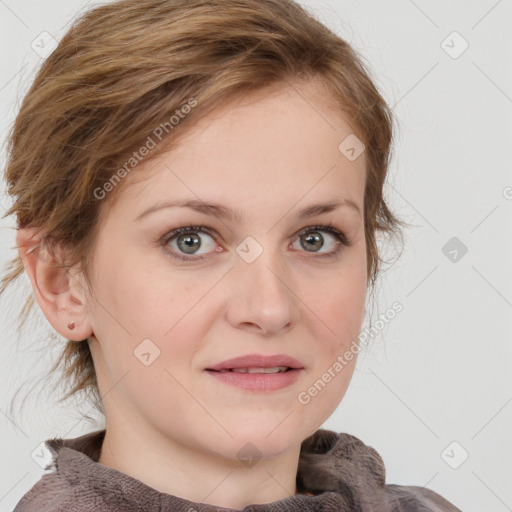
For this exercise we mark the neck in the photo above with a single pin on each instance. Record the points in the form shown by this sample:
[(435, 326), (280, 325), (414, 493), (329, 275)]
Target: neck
[(197, 475)]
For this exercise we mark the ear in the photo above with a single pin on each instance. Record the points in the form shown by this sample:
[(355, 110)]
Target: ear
[(61, 293)]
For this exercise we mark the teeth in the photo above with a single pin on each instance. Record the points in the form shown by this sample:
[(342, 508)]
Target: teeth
[(275, 369)]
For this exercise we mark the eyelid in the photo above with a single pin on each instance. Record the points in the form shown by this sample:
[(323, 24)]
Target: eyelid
[(188, 228), (329, 228)]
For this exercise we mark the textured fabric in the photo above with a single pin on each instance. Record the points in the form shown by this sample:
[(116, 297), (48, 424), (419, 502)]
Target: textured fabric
[(336, 473)]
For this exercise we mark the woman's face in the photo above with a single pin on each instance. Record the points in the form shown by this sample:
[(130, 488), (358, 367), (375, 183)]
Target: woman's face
[(260, 278)]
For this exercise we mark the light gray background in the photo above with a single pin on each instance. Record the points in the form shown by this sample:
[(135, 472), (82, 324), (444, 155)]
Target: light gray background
[(440, 372)]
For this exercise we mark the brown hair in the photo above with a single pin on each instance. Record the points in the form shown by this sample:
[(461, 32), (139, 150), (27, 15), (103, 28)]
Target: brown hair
[(124, 69)]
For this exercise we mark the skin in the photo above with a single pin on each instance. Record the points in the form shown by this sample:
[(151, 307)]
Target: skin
[(171, 424)]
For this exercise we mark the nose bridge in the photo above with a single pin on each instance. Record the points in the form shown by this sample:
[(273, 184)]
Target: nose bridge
[(270, 278), (264, 296)]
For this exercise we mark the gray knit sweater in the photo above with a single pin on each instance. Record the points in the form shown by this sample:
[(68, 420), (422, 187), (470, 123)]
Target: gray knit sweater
[(340, 471)]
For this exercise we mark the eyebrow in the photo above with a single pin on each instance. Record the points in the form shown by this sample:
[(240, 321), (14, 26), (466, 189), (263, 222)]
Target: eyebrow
[(222, 212)]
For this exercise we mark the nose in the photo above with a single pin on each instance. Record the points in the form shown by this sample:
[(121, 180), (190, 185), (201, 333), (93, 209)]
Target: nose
[(262, 299)]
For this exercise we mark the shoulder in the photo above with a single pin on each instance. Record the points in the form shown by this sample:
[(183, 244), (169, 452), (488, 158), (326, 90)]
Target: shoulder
[(52, 493), (48, 493), (413, 498), (61, 488)]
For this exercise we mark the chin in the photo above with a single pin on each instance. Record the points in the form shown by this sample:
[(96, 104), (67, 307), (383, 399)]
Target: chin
[(270, 437)]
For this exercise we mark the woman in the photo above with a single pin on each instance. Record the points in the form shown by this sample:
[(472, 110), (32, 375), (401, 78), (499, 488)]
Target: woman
[(200, 221)]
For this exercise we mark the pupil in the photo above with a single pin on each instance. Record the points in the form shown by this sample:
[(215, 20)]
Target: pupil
[(312, 239), (189, 241)]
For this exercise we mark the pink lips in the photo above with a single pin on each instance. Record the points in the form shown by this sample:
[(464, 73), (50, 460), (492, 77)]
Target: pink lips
[(257, 361), (258, 381)]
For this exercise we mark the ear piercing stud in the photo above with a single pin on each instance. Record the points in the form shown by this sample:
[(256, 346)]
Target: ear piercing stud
[(71, 325)]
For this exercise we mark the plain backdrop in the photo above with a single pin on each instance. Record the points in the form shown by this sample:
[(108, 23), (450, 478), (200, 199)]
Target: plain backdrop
[(433, 394)]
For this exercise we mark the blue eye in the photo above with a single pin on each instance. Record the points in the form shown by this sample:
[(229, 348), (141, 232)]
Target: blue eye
[(186, 241)]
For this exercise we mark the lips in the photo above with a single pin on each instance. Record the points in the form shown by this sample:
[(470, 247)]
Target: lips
[(253, 363), (258, 373), (275, 369)]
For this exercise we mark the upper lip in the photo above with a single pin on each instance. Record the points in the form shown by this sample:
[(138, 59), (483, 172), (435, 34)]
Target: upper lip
[(258, 361)]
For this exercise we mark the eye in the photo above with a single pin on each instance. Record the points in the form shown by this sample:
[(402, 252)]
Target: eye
[(185, 243), (188, 240), (312, 240)]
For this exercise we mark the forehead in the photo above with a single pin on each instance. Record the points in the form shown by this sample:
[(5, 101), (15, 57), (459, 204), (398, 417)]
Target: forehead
[(264, 146)]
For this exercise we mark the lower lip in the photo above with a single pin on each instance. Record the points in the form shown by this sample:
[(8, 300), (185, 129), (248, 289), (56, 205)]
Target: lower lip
[(258, 381)]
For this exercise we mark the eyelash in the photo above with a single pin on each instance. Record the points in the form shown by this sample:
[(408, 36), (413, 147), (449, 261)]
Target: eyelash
[(342, 240)]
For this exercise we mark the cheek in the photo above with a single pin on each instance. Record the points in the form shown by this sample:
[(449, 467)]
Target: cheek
[(341, 311), (141, 304), (338, 305), (137, 295)]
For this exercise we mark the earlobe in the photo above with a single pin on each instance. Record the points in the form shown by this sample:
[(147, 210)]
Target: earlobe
[(58, 291)]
